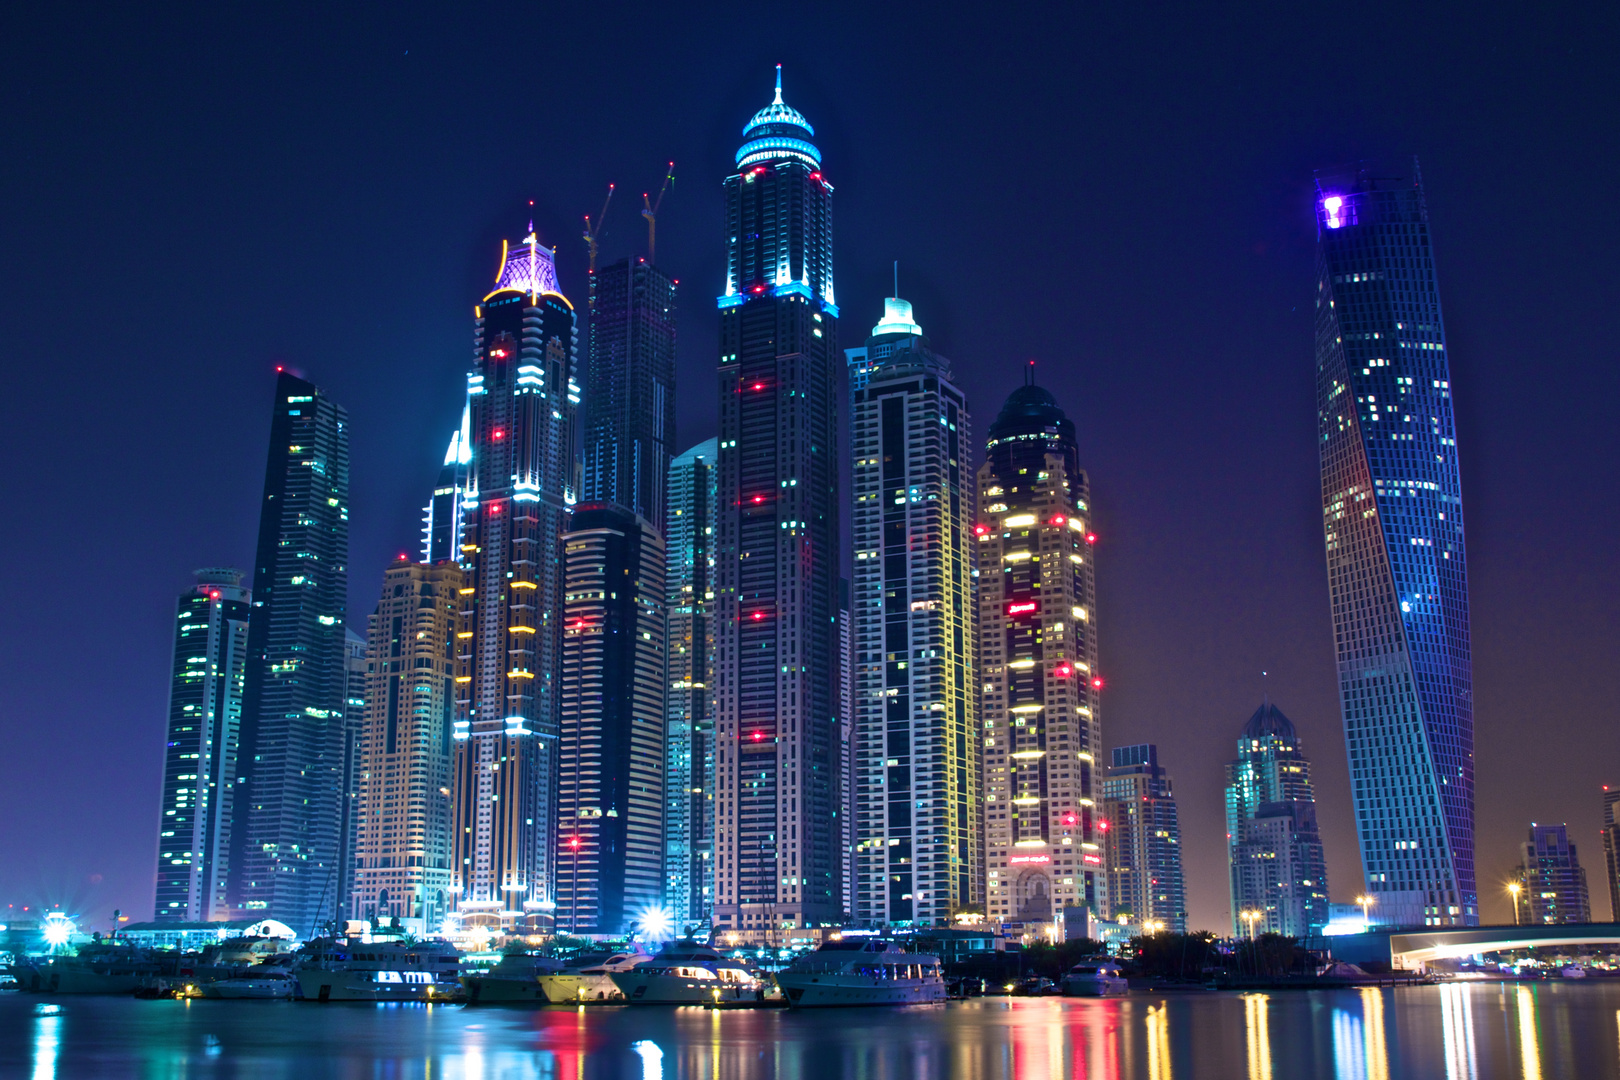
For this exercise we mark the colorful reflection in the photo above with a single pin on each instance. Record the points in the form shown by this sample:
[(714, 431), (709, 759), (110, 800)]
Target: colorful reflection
[(652, 1059), (1158, 1042), (1359, 1049), (1256, 1026), (47, 1042), (1372, 1011), (1529, 1042), (1457, 1020)]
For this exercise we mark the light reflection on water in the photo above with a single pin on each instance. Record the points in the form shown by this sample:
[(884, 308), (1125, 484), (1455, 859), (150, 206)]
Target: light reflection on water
[(1477, 1031)]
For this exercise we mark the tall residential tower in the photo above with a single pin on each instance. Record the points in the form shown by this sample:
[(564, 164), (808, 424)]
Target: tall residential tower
[(1277, 862), (689, 705), (630, 389), (287, 855), (1393, 521), (919, 826), (1038, 655), (199, 760), (1142, 844), (522, 398), (777, 559)]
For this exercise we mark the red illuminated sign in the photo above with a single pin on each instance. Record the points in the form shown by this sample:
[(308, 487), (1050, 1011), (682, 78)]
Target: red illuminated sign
[(1023, 607), (1030, 859)]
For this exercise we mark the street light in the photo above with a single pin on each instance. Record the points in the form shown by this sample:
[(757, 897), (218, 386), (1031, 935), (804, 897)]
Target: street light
[(1251, 917), (1514, 887), (1366, 900)]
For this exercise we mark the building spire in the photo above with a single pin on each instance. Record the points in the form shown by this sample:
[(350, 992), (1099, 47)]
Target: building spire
[(778, 100)]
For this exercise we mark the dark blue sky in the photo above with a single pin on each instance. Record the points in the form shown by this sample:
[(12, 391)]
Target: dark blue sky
[(1123, 195)]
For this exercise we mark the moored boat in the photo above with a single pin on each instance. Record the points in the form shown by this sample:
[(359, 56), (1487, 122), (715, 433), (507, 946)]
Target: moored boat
[(862, 972), (263, 983), (514, 978), (1094, 978), (590, 977), (687, 973), (354, 971)]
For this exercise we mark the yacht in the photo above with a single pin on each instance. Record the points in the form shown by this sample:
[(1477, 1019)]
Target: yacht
[(1094, 978), (353, 971), (590, 977), (687, 973), (515, 977), (862, 972), (263, 982)]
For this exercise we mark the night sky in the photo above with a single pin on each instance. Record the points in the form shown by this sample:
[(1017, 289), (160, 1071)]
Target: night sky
[(1124, 196)]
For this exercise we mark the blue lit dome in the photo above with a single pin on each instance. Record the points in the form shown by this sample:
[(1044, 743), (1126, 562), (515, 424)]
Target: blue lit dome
[(778, 131)]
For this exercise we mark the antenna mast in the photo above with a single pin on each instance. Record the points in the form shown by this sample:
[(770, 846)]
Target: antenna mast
[(649, 210)]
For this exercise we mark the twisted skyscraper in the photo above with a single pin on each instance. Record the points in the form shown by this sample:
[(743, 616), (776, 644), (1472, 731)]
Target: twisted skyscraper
[(777, 562), (1392, 517)]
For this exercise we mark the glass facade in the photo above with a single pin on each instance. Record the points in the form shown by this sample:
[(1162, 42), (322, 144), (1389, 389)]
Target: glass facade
[(294, 725), (1552, 883), (1393, 524), (1278, 865), (1142, 842), (521, 402), (1038, 655), (689, 706), (200, 755), (919, 837), (777, 541), (630, 389)]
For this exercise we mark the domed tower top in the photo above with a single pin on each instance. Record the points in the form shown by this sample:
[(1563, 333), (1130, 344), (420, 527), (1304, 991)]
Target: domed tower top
[(1268, 721), (778, 131), (1030, 426)]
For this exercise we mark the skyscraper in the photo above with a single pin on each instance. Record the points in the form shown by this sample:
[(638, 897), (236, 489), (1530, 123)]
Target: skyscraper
[(630, 389), (1393, 522), (689, 705), (919, 825), (1611, 855), (1142, 844), (1038, 655), (288, 864), (1551, 879), (610, 828), (200, 756), (442, 517), (403, 850), (354, 723), (777, 559), (522, 397), (1277, 862)]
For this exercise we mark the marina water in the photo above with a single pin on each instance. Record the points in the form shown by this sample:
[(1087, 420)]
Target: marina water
[(1459, 1031)]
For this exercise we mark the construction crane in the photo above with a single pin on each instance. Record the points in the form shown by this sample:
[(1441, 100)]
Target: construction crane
[(649, 210), (591, 234)]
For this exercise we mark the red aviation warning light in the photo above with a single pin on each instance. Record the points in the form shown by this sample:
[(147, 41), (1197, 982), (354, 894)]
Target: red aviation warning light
[(574, 843), (499, 354), (1059, 519), (759, 736), (1091, 538), (1063, 671), (498, 434), (1096, 684), (980, 530), (1102, 825), (1069, 818)]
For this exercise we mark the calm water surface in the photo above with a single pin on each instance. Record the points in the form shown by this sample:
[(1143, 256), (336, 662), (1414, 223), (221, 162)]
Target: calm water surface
[(1461, 1032)]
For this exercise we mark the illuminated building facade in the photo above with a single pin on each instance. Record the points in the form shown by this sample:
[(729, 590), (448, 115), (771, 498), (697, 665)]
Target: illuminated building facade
[(442, 516), (1393, 523), (610, 824), (1038, 656), (520, 433), (1142, 843), (689, 704), (403, 849), (919, 831), (630, 389), (1277, 862), (199, 758), (354, 717), (1611, 854), (290, 768), (777, 540), (1552, 883)]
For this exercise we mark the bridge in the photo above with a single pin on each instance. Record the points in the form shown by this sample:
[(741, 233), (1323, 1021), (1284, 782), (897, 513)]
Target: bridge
[(1412, 947)]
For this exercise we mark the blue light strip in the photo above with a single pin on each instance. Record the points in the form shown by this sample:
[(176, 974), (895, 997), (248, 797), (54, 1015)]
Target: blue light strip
[(793, 288), (775, 146), (734, 300)]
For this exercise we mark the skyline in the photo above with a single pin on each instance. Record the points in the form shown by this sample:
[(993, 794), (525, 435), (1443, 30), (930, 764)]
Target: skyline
[(1511, 482)]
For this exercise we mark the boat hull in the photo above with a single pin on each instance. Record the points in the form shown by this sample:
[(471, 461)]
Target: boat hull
[(321, 984), (682, 990), (568, 988), (830, 991), (1095, 988), (249, 990)]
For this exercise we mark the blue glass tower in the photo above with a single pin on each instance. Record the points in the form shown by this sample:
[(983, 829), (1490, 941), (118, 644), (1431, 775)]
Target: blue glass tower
[(777, 830), (1393, 522)]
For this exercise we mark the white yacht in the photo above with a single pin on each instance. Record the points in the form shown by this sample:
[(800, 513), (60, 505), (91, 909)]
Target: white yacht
[(589, 977), (1095, 978), (862, 972), (353, 971), (515, 977), (687, 973), (267, 982)]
